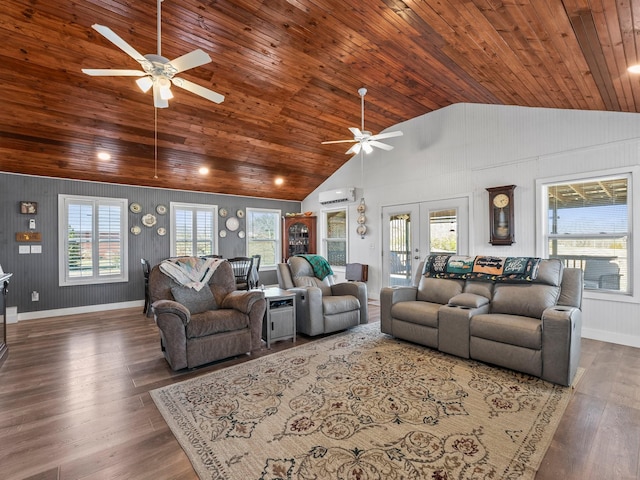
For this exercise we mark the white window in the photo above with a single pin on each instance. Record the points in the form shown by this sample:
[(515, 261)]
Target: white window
[(587, 223), (93, 240), (335, 237), (193, 230), (263, 236)]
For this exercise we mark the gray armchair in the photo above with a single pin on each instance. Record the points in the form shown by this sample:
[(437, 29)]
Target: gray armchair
[(322, 306), (201, 327)]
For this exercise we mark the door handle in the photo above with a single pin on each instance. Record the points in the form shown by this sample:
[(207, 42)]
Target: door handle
[(416, 257)]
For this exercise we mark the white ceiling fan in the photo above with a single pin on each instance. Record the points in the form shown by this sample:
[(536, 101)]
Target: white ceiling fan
[(157, 71), (362, 138)]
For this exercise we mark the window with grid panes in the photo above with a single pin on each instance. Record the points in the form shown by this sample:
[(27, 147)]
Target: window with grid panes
[(193, 228), (335, 241), (263, 235), (92, 239)]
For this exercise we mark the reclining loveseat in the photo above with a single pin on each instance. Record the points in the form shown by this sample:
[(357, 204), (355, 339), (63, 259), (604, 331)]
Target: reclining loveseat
[(516, 312)]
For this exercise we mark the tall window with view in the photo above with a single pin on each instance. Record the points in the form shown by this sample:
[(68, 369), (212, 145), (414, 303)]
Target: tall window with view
[(263, 235), (588, 227)]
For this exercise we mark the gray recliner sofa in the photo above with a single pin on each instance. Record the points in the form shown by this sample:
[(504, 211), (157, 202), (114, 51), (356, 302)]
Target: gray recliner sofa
[(322, 306), (533, 326)]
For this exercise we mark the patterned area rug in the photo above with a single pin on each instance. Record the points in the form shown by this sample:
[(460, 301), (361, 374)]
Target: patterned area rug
[(362, 406)]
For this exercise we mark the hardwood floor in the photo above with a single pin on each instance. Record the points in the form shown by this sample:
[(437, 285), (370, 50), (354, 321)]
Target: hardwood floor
[(74, 403)]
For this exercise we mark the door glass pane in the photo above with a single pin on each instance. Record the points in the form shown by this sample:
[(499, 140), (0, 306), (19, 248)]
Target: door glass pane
[(443, 231), (400, 249)]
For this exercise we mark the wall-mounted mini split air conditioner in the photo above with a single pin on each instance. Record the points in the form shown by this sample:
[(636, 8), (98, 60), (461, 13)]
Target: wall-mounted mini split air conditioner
[(338, 195)]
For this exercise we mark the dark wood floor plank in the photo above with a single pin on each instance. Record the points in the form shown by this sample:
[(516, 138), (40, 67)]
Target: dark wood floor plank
[(75, 404)]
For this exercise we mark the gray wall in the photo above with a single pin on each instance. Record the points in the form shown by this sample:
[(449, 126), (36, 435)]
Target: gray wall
[(39, 272)]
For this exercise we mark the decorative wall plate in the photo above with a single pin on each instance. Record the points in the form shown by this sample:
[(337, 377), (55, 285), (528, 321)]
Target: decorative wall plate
[(149, 220), (232, 224), (223, 212), (161, 209), (135, 208), (361, 230), (162, 231), (362, 219), (136, 230), (240, 213), (223, 233), (361, 208), (241, 234)]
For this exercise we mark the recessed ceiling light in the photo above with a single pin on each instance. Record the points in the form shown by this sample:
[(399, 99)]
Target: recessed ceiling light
[(279, 181), (104, 156), (203, 170), (634, 69)]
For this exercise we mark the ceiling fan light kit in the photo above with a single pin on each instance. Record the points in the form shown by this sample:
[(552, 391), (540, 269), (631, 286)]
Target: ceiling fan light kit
[(363, 139)]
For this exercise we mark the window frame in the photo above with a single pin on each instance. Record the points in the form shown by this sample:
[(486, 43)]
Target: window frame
[(278, 232), (633, 243), (213, 209), (64, 200), (326, 240)]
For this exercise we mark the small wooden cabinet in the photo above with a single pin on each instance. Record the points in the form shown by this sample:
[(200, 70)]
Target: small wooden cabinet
[(298, 236)]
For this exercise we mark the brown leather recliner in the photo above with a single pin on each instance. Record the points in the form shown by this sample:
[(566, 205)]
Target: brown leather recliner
[(201, 327)]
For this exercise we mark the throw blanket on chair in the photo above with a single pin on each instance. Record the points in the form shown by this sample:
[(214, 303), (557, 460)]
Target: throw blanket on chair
[(320, 265), (193, 272), (497, 269)]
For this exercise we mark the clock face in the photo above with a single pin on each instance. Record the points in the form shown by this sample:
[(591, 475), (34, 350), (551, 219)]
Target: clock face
[(501, 200)]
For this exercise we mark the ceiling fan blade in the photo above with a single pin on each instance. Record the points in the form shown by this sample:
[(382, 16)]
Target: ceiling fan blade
[(158, 101), (367, 147), (112, 72), (383, 146), (339, 141), (198, 90), (110, 35), (190, 60), (380, 136), (354, 149), (356, 131)]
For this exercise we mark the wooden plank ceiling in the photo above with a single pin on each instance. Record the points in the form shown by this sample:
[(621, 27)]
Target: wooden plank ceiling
[(290, 71)]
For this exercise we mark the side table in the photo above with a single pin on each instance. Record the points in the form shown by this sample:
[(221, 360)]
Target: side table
[(279, 321)]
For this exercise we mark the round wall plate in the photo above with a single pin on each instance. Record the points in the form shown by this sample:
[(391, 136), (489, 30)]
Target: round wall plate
[(361, 208), (241, 234), (232, 224), (135, 208), (223, 212), (161, 209), (361, 230), (162, 231), (149, 220), (136, 230), (240, 213), (223, 233), (362, 219)]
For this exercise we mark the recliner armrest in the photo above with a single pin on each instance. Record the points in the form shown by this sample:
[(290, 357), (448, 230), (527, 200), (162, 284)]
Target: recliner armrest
[(561, 336), (241, 300), (170, 307), (389, 296), (358, 290)]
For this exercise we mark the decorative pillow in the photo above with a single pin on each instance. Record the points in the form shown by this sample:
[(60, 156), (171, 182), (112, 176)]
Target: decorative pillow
[(195, 301)]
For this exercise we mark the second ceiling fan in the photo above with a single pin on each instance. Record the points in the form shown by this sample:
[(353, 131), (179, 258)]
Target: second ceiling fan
[(363, 139), (159, 72)]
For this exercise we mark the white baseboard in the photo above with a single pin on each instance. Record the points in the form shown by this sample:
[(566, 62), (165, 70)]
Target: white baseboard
[(72, 311), (611, 337)]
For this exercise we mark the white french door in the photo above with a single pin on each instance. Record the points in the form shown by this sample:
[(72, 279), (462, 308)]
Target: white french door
[(413, 231)]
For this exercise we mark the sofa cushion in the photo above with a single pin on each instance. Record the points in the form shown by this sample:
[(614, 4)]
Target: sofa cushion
[(528, 300), (421, 313), (339, 304), (469, 300), (508, 329), (550, 272), (438, 290), (195, 301), (216, 321)]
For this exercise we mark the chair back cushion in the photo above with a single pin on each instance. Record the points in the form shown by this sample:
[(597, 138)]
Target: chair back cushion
[(221, 283), (302, 274)]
